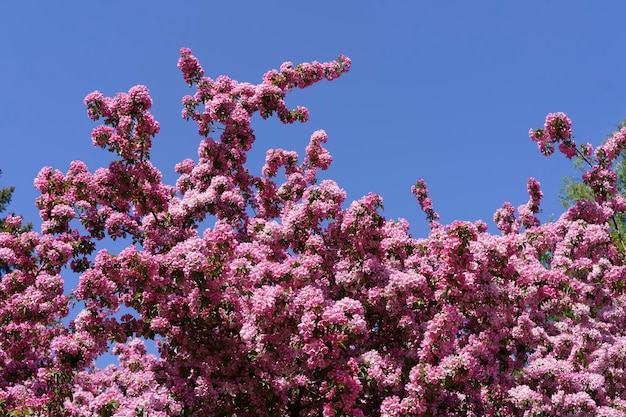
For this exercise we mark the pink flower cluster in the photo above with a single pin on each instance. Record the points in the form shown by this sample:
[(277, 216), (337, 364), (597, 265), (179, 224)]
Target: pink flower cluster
[(293, 303), (420, 190), (600, 177), (232, 104), (129, 126), (557, 129)]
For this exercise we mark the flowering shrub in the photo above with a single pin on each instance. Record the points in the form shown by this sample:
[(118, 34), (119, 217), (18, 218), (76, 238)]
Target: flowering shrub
[(293, 303)]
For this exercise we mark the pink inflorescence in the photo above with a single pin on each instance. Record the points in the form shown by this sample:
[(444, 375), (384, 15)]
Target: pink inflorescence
[(268, 295), (420, 190), (557, 129)]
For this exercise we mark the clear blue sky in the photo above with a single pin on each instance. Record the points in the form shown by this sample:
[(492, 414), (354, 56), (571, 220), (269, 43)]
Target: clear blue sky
[(444, 91)]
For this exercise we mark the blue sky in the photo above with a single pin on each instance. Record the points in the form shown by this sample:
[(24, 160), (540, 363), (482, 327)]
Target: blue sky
[(444, 91)]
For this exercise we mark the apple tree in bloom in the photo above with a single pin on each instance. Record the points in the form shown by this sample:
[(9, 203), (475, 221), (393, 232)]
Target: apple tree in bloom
[(295, 302)]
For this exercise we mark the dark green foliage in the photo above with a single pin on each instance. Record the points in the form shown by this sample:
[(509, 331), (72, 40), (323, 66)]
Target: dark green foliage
[(5, 198)]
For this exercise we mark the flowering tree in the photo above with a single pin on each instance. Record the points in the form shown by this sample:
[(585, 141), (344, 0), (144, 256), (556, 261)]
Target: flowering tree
[(573, 189), (294, 303)]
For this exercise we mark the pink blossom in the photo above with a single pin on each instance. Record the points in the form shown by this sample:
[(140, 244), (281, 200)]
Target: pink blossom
[(267, 295)]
